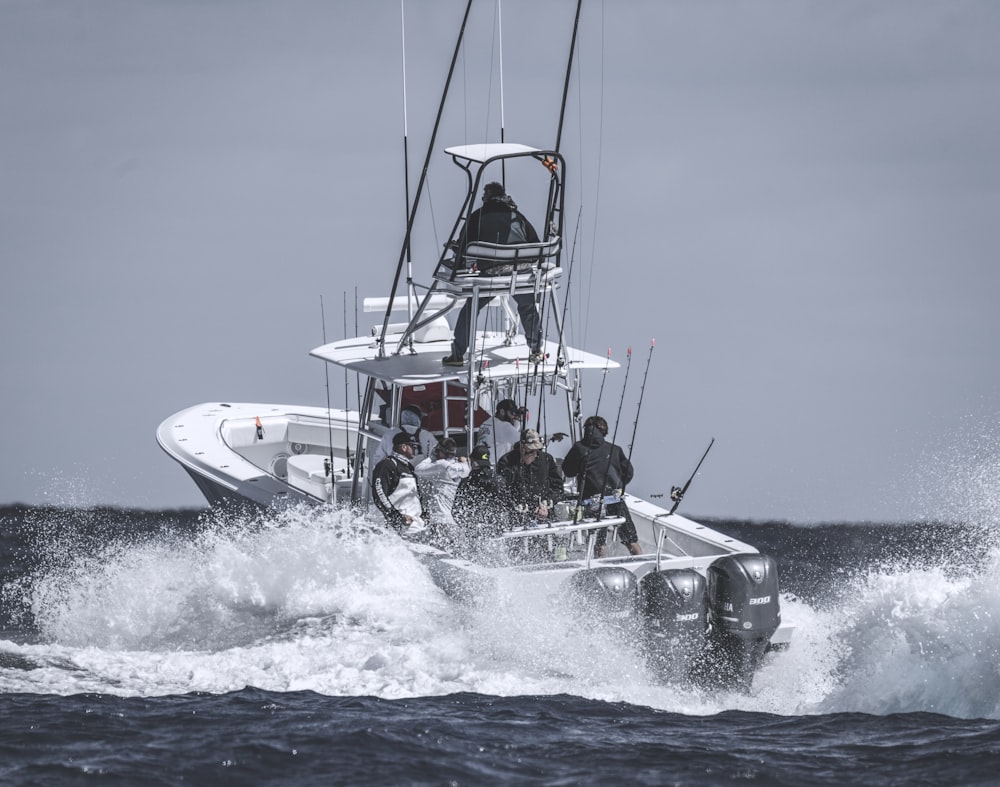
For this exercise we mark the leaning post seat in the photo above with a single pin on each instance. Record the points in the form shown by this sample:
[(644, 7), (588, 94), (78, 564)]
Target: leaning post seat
[(492, 266)]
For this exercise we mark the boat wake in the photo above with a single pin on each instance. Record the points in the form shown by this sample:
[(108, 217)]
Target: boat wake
[(324, 600)]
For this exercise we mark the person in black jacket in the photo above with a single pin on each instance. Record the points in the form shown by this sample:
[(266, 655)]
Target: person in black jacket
[(601, 468), (394, 488), (481, 505), (534, 481), (492, 224)]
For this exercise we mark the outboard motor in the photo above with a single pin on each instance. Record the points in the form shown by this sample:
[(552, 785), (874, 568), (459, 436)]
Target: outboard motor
[(743, 613), (607, 594), (674, 618)]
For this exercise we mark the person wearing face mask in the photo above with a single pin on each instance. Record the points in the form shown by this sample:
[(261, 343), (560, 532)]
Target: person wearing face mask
[(423, 441), (501, 432)]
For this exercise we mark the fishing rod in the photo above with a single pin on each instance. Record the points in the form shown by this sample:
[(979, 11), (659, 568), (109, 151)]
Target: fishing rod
[(420, 184), (642, 392), (600, 393), (347, 404), (611, 448), (326, 369), (676, 492)]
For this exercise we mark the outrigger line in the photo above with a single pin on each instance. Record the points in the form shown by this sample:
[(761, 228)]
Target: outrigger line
[(420, 185), (677, 493)]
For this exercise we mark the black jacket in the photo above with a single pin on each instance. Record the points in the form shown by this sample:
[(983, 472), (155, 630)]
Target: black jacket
[(530, 484), (385, 479), (481, 502), (600, 467), (491, 223)]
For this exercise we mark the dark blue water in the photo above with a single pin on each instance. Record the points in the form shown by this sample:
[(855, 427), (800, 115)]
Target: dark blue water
[(171, 647)]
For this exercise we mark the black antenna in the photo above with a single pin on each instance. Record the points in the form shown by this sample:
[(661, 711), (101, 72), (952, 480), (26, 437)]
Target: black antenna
[(569, 70)]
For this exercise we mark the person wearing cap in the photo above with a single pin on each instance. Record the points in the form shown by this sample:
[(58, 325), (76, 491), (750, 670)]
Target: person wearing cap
[(532, 476), (602, 469), (437, 480), (410, 419), (481, 506), (492, 223), (502, 431), (395, 489)]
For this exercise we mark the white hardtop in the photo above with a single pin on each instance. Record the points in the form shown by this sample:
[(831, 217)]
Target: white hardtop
[(422, 365), (489, 150)]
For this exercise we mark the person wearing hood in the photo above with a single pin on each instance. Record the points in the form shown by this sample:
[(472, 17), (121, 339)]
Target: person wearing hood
[(424, 442), (534, 481), (498, 221), (601, 468)]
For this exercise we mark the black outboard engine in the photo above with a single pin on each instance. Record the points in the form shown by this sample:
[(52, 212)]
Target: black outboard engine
[(674, 617), (743, 613), (608, 594)]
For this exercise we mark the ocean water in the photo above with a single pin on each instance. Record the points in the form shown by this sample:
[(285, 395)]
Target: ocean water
[(310, 648)]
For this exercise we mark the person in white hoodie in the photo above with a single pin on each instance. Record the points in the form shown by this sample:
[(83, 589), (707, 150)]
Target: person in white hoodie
[(410, 420), (437, 480)]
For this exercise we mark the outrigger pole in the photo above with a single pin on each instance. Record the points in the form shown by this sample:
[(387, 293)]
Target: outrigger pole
[(420, 185)]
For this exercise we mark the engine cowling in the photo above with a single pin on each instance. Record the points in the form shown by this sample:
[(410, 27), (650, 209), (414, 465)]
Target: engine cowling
[(607, 593), (743, 613), (674, 615), (743, 595)]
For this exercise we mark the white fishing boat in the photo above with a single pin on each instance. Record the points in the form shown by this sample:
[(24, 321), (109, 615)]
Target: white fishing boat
[(698, 603)]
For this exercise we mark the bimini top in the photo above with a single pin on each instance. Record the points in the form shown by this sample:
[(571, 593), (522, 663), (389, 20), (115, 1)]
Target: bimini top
[(421, 364), (489, 150)]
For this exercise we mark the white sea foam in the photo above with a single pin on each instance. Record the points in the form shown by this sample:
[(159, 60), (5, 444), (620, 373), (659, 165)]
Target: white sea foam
[(323, 601)]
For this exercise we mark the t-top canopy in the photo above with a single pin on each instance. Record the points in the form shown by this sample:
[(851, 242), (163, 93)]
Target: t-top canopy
[(489, 150)]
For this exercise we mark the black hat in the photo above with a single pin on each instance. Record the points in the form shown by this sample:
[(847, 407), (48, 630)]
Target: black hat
[(480, 455), (402, 437)]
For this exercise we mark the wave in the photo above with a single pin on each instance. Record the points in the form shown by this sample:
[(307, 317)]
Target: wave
[(326, 601)]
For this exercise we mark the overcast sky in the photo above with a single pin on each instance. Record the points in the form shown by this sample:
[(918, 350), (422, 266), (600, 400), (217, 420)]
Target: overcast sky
[(800, 201)]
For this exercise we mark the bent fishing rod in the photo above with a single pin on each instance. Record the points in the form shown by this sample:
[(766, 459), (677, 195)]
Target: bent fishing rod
[(677, 492)]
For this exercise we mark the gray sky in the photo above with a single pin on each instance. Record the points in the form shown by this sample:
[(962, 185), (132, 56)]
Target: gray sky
[(799, 201)]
